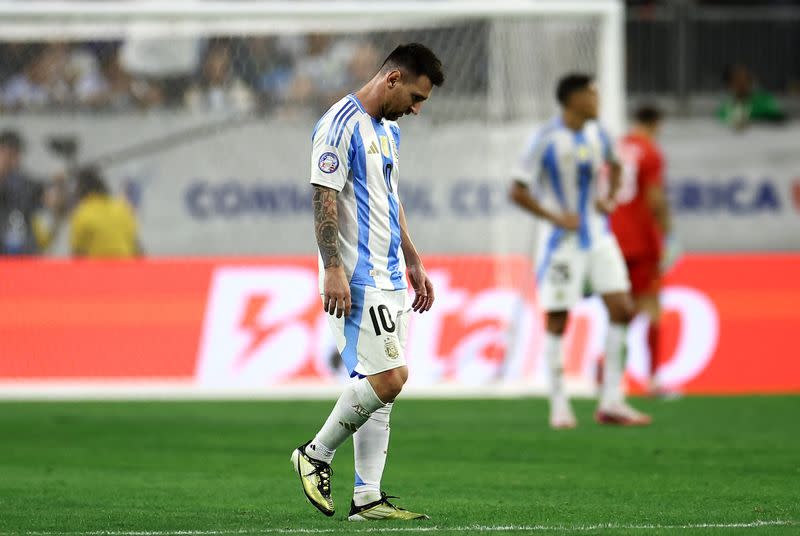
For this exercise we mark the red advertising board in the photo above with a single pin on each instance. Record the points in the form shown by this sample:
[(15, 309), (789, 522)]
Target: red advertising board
[(730, 324)]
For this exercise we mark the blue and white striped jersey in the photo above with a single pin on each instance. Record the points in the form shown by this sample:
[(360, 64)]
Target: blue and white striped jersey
[(562, 166), (357, 155)]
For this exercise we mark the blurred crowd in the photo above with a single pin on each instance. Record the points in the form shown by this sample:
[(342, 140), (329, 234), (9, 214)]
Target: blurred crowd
[(279, 74), (745, 102), (209, 75), (33, 209)]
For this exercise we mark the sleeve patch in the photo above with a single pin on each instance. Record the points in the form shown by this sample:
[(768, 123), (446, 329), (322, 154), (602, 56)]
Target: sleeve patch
[(328, 162)]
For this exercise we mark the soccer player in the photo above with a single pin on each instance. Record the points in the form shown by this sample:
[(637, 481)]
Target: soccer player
[(365, 253), (562, 163), (642, 221)]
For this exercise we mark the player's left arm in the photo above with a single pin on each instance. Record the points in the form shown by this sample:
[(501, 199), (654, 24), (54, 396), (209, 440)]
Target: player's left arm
[(608, 204), (657, 201), (655, 193), (614, 179), (423, 288)]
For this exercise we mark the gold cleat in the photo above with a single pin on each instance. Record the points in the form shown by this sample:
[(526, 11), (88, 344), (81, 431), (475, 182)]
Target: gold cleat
[(381, 509), (315, 476)]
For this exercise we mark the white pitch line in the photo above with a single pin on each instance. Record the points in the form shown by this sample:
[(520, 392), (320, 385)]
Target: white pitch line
[(468, 528)]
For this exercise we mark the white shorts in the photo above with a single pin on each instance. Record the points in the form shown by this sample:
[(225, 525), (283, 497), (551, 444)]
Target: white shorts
[(563, 270), (373, 338)]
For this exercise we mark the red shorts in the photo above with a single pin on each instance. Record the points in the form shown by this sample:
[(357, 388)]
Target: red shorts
[(645, 275)]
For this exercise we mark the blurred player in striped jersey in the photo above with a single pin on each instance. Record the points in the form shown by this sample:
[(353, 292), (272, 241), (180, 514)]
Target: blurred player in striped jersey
[(556, 181), (365, 254), (642, 221)]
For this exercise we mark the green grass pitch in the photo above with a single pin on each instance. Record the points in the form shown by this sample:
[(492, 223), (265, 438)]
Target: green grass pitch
[(706, 466)]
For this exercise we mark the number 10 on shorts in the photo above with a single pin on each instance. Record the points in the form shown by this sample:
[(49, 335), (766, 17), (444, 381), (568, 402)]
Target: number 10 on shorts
[(381, 318)]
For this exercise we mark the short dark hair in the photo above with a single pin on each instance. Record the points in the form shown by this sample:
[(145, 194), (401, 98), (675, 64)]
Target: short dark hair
[(572, 83), (648, 114), (90, 181), (418, 60), (12, 140)]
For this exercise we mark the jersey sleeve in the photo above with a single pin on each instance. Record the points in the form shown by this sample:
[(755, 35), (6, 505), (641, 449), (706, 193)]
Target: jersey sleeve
[(330, 149), (529, 166)]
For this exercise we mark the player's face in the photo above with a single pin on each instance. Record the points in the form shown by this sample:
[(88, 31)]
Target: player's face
[(405, 95), (587, 101)]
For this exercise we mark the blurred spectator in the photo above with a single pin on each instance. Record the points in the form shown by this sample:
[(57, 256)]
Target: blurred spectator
[(102, 226), (21, 198), (15, 57), (91, 86), (266, 64), (161, 68), (81, 64), (326, 69), (363, 64), (745, 103), (43, 83), (111, 87), (218, 89)]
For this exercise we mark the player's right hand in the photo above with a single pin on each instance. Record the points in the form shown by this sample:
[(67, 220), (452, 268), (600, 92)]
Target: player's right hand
[(567, 220), (336, 297)]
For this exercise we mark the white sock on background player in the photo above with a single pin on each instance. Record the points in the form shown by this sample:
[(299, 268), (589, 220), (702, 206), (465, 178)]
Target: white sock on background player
[(555, 366), (370, 447), (357, 403), (612, 392)]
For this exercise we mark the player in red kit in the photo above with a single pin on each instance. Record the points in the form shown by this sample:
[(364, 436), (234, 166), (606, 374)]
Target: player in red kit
[(641, 221)]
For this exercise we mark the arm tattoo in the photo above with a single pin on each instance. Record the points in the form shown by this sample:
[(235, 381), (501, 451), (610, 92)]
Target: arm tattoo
[(326, 225)]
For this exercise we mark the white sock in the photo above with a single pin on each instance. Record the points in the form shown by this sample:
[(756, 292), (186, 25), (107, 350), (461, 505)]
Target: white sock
[(613, 368), (352, 410), (555, 365), (370, 446)]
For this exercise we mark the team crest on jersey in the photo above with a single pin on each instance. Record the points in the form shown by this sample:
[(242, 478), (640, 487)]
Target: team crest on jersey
[(328, 162), (390, 346), (385, 147), (583, 153)]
